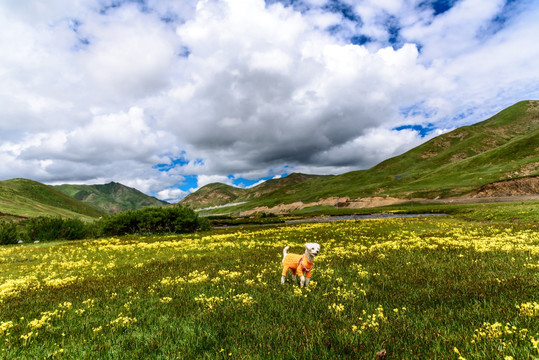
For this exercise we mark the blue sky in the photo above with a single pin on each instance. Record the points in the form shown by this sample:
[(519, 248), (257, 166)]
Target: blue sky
[(168, 96)]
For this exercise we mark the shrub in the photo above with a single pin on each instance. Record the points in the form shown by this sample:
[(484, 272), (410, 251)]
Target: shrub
[(119, 224), (8, 233), (74, 229), (153, 220), (44, 228)]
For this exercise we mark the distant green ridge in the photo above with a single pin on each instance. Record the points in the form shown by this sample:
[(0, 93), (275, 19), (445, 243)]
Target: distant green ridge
[(217, 194), (110, 198), (27, 198), (502, 147)]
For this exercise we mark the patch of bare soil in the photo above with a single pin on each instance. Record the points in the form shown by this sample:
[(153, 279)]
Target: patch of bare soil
[(514, 187), (529, 168), (429, 154), (522, 189), (338, 202), (457, 157), (375, 201)]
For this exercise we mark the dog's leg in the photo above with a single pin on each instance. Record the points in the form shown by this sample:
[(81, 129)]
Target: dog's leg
[(307, 281), (283, 277), (302, 281), (294, 278)]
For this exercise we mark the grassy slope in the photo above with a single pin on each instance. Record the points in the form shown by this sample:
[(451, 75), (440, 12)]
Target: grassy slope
[(220, 194), (213, 195), (111, 197), (27, 198), (468, 157), (455, 163)]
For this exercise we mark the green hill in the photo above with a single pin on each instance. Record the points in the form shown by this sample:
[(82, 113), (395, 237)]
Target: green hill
[(217, 194), (110, 198), (502, 147), (22, 198), (214, 194)]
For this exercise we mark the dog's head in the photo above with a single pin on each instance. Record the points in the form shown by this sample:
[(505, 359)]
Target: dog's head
[(312, 248)]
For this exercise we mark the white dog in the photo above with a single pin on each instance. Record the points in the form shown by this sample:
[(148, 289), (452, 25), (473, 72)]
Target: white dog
[(300, 263)]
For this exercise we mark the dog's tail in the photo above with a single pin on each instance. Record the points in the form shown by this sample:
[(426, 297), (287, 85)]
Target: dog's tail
[(285, 251)]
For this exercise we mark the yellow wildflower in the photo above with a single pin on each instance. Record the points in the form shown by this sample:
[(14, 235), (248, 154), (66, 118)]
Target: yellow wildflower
[(5, 326)]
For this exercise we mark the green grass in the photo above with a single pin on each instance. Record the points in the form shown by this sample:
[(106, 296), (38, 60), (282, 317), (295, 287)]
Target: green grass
[(418, 288), (27, 198)]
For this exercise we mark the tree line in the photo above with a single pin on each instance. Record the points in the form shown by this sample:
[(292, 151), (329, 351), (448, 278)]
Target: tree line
[(176, 219)]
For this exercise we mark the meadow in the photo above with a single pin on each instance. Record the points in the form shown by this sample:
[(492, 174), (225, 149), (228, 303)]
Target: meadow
[(419, 288)]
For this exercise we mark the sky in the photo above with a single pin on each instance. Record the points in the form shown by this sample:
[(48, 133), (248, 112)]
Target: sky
[(167, 96)]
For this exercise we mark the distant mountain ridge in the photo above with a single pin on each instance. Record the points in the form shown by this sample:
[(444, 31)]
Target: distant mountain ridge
[(217, 194), (502, 147), (110, 198)]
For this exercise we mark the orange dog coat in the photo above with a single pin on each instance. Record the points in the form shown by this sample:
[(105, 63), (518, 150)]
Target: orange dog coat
[(297, 263)]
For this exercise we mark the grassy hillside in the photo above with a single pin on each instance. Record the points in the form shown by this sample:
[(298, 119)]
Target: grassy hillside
[(220, 194), (502, 147), (214, 195), (455, 163), (110, 198), (27, 198)]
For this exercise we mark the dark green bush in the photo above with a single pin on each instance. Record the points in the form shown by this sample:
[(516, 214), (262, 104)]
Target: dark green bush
[(8, 233), (44, 228), (154, 220), (118, 224), (75, 229)]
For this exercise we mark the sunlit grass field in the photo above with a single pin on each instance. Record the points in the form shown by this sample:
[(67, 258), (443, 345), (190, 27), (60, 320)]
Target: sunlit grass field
[(420, 288)]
